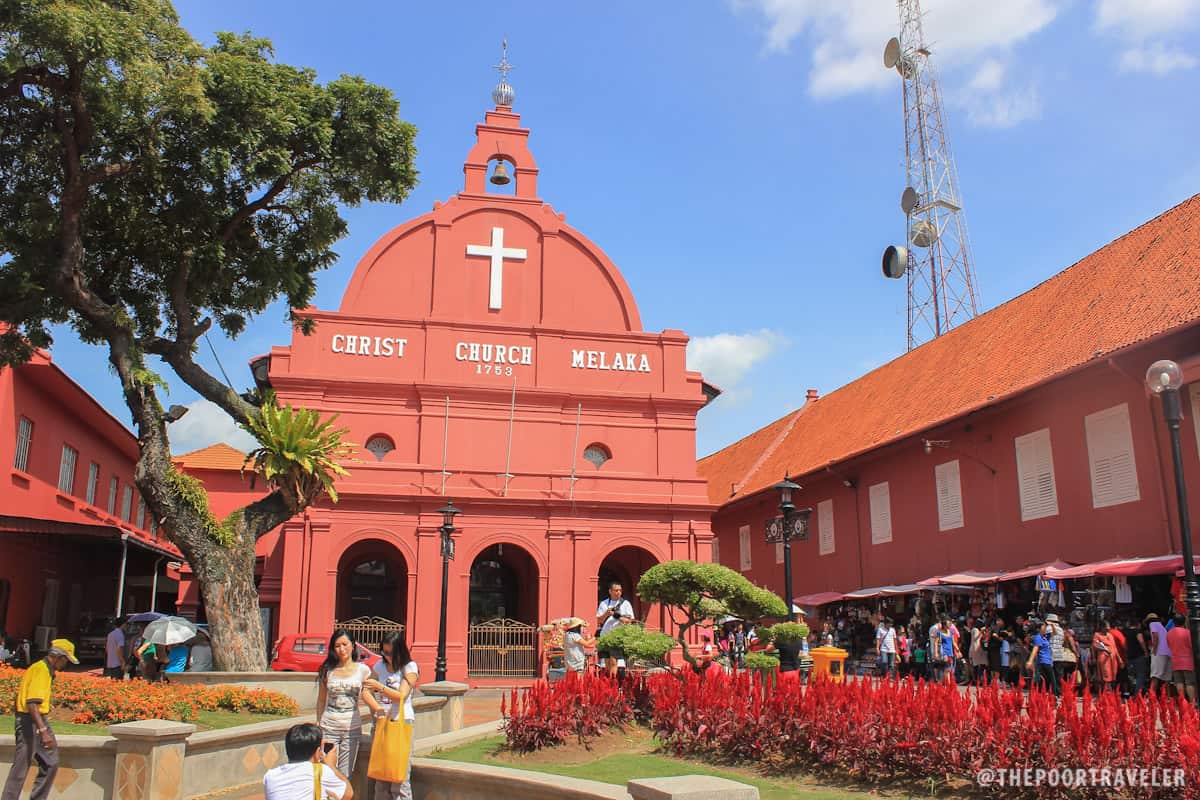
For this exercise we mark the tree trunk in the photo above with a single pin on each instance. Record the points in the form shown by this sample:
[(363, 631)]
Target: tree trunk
[(226, 578), (221, 555)]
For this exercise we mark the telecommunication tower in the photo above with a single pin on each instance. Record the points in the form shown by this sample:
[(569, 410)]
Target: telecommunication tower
[(936, 256)]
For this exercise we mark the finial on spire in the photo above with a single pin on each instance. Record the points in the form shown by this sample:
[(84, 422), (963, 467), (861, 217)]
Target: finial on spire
[(503, 94)]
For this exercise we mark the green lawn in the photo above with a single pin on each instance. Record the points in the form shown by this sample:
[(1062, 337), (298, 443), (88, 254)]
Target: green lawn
[(621, 767), (205, 720)]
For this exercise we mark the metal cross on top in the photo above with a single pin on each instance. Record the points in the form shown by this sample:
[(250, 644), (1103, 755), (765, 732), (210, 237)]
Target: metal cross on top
[(504, 67), (497, 252)]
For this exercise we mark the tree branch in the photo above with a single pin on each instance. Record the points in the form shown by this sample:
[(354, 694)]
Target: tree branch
[(209, 387), (268, 513), (107, 172), (13, 84), (276, 188)]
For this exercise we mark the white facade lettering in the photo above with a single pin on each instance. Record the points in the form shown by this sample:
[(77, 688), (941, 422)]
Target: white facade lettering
[(617, 362), (351, 344), (493, 353)]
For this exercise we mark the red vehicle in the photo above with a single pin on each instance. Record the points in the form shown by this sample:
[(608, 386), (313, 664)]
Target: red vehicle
[(303, 652)]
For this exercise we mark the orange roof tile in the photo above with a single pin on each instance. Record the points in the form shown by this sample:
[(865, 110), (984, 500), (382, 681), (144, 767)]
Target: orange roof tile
[(1143, 284), (217, 456)]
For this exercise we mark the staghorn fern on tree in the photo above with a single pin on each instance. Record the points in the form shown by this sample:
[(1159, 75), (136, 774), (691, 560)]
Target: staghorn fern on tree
[(299, 453)]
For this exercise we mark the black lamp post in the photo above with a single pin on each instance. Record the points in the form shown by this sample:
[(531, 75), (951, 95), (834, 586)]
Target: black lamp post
[(448, 513), (1164, 378), (793, 525)]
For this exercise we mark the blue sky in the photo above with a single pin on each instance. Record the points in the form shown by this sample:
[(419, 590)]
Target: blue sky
[(741, 162)]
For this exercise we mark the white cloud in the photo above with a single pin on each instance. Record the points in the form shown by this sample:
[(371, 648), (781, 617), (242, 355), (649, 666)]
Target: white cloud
[(1146, 26), (725, 358), (847, 37), (206, 424), (1155, 58), (990, 105), (1139, 19)]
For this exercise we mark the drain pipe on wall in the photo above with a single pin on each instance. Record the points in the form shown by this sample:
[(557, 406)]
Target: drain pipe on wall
[(121, 579), (154, 582)]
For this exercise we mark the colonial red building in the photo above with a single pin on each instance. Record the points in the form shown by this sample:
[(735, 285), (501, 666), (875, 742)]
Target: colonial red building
[(76, 540), (489, 353), (1023, 436)]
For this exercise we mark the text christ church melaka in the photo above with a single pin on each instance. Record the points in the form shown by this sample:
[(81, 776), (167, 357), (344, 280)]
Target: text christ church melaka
[(489, 353)]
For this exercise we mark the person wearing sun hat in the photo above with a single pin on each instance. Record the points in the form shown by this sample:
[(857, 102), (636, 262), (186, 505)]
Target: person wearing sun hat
[(34, 739), (574, 642)]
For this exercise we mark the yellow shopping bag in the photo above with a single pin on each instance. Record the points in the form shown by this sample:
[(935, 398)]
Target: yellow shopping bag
[(391, 747)]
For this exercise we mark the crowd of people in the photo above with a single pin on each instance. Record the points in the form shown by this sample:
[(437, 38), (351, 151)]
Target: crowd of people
[(1128, 655), (127, 655)]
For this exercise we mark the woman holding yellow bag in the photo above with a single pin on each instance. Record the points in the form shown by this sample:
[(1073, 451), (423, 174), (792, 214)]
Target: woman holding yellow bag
[(393, 682)]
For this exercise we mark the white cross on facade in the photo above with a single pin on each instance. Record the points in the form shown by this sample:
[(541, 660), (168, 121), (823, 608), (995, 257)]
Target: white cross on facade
[(497, 252)]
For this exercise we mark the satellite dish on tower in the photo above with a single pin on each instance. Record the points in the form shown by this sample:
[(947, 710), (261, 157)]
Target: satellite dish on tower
[(891, 53), (922, 234), (895, 261), (909, 200)]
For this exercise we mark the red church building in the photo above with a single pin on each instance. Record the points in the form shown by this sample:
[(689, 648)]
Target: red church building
[(490, 354), (1022, 437)]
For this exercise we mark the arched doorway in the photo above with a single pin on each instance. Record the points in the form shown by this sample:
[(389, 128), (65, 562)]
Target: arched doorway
[(625, 565), (372, 591), (503, 613)]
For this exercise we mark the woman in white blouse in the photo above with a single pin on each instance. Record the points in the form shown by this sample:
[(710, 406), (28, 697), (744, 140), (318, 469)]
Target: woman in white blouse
[(340, 688), (393, 682)]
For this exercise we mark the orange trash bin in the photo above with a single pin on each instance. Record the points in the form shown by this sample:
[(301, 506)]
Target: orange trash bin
[(830, 662)]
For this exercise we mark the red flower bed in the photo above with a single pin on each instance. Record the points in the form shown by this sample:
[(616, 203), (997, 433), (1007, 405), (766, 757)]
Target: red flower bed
[(875, 730), (101, 700), (878, 730), (581, 706)]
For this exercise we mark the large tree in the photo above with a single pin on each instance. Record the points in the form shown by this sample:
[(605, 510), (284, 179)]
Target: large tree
[(151, 187)]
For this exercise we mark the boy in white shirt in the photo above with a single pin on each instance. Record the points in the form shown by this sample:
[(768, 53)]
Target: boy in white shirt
[(308, 762)]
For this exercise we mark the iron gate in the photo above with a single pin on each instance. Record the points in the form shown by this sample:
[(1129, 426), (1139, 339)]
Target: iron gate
[(502, 648), (369, 631)]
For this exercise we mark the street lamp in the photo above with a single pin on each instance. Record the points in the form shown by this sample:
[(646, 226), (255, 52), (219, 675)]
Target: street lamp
[(1165, 378), (448, 513), (792, 525)]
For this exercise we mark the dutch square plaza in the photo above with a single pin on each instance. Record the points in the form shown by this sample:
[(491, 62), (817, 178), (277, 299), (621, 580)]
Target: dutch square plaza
[(1013, 489)]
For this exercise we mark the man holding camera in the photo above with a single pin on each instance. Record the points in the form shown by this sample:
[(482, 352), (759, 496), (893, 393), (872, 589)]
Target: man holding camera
[(613, 611), (311, 771)]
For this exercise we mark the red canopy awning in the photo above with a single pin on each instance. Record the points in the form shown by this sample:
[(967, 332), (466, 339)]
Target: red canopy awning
[(1034, 571), (1127, 567), (969, 577), (817, 598)]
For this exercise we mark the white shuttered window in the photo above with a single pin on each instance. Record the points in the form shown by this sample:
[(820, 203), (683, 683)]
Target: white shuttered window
[(881, 514), (112, 495), (1035, 475), (66, 469), (24, 439), (825, 527), (127, 503), (93, 479), (716, 551), (744, 548), (1110, 456), (949, 496)]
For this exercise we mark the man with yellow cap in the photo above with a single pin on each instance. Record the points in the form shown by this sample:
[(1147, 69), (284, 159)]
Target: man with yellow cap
[(34, 739)]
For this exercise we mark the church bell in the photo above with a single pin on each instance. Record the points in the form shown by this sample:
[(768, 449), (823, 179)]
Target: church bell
[(500, 175)]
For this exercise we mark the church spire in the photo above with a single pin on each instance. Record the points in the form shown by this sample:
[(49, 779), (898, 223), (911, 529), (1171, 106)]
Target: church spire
[(503, 94)]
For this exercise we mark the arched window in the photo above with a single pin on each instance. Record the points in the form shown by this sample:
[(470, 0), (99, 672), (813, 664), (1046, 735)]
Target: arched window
[(379, 445), (597, 454)]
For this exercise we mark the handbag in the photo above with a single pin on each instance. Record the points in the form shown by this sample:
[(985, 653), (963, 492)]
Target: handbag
[(391, 747)]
